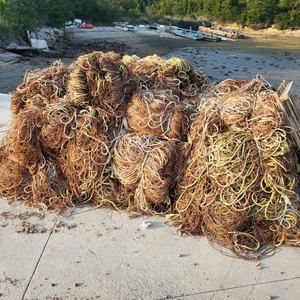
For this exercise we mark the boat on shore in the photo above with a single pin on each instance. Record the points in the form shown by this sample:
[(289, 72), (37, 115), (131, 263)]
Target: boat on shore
[(124, 26), (210, 37), (223, 34), (195, 35), (187, 34)]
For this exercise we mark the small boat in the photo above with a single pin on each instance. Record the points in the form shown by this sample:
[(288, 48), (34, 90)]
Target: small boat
[(223, 34), (124, 26), (187, 34), (87, 26), (195, 35), (234, 35), (210, 37)]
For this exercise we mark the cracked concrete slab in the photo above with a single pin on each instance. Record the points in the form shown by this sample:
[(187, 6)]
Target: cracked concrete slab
[(20, 246), (105, 255)]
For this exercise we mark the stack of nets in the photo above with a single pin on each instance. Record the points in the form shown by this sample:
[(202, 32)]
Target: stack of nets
[(130, 133), (70, 130), (148, 158), (237, 188), (60, 139)]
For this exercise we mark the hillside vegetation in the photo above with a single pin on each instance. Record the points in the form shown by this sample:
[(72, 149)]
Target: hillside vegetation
[(16, 15)]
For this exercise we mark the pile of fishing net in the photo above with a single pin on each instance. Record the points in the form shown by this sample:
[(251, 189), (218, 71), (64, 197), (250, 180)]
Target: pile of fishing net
[(131, 134), (238, 185), (99, 132)]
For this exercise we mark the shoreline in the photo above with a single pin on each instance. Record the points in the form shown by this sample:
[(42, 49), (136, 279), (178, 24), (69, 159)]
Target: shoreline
[(274, 57)]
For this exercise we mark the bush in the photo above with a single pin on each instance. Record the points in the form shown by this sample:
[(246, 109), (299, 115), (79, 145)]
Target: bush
[(283, 20)]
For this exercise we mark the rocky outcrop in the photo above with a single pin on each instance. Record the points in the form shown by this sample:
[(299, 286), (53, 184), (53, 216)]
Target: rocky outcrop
[(53, 36)]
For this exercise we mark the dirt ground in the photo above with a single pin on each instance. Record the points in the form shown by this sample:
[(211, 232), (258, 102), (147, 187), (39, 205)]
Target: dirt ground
[(273, 55)]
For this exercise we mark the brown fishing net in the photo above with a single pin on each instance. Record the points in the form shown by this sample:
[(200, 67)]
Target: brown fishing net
[(22, 141), (97, 84), (13, 178), (59, 123), (144, 71), (48, 188), (156, 113), (85, 156), (147, 166), (131, 134), (48, 84), (178, 75), (237, 188)]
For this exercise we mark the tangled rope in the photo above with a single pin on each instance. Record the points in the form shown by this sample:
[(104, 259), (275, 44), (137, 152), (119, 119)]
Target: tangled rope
[(147, 166), (41, 86), (156, 113), (237, 188), (97, 84), (153, 136)]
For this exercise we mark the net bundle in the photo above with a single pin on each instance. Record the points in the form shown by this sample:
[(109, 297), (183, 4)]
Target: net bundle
[(97, 83), (62, 131), (175, 75), (41, 86), (156, 113), (59, 122), (143, 71), (147, 168), (13, 177), (178, 75), (238, 186), (85, 156)]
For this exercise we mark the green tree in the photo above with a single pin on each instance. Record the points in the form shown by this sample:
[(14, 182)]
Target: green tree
[(261, 11), (58, 11), (228, 10), (20, 14), (291, 7)]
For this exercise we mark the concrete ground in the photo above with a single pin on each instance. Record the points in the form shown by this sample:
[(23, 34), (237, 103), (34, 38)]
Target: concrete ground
[(102, 254)]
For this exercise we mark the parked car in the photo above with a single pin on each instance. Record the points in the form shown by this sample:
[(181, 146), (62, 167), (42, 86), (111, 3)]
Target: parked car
[(77, 21)]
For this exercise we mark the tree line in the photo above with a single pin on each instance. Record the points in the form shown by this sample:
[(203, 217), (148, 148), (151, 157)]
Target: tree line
[(21, 14)]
